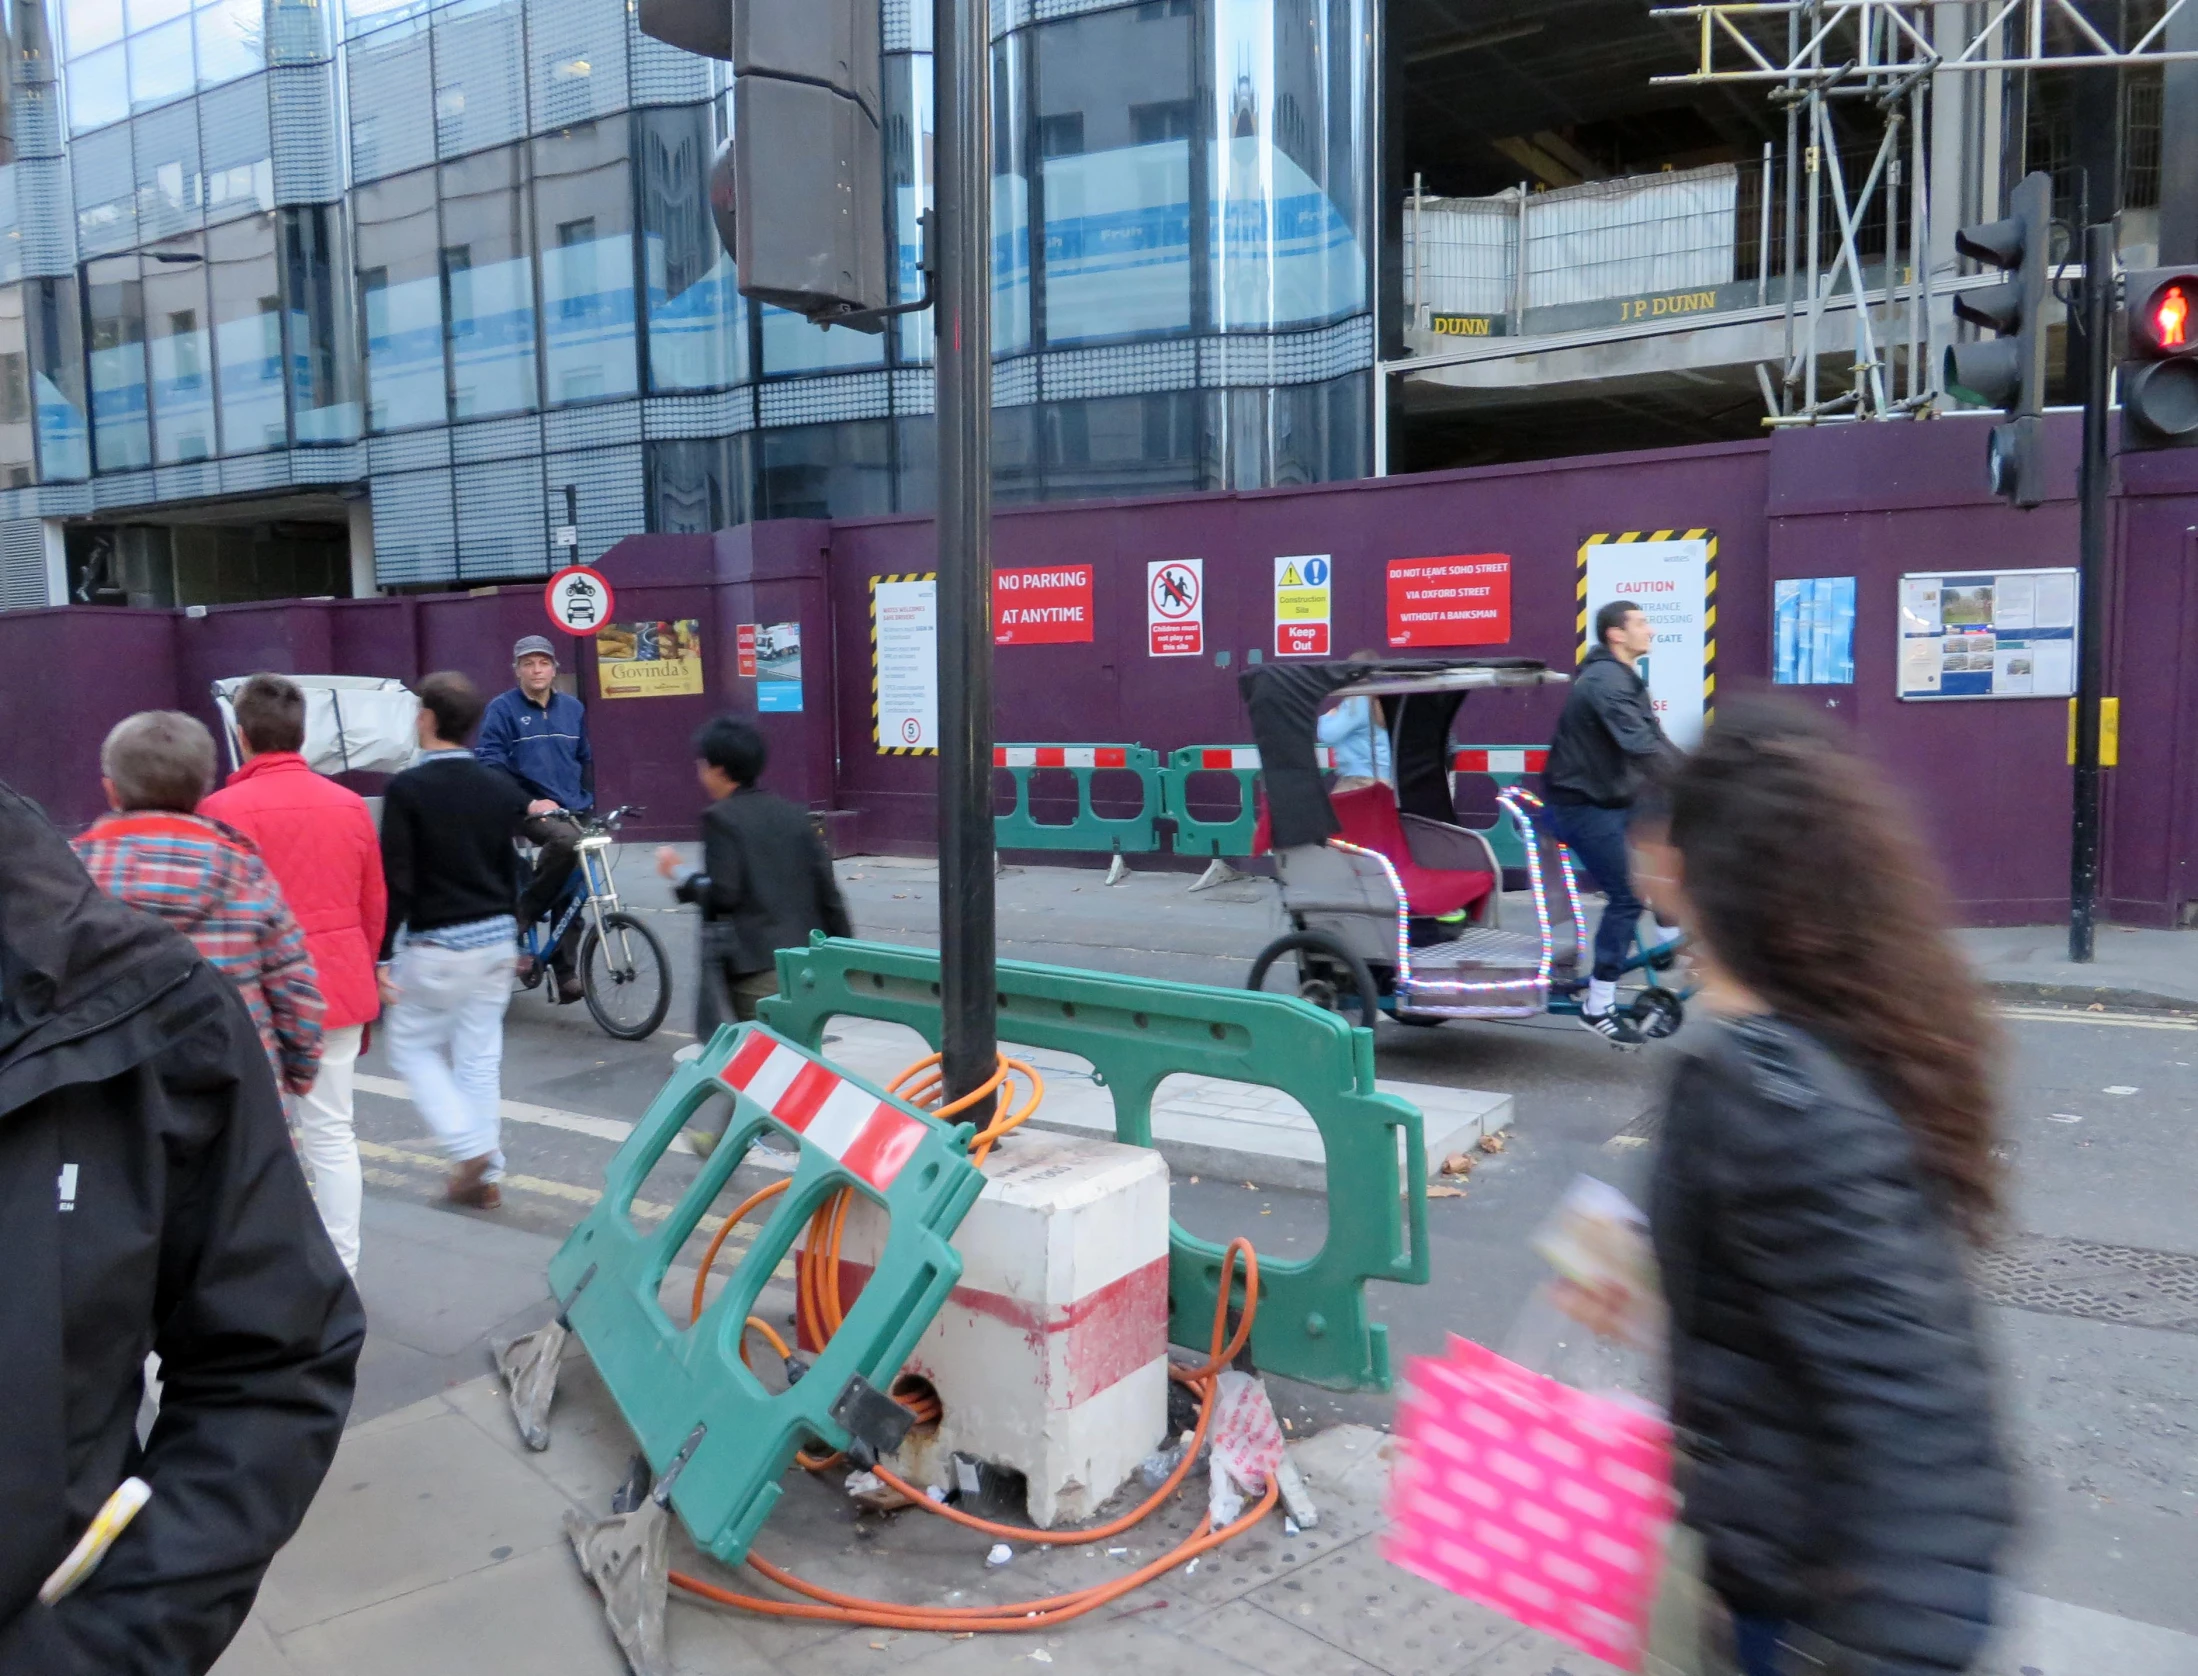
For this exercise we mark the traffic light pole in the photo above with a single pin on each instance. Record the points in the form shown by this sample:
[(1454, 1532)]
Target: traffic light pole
[(2091, 495), (963, 359)]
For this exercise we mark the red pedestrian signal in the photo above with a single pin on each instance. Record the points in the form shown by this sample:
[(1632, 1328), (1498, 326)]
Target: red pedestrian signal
[(2171, 318), (2159, 381)]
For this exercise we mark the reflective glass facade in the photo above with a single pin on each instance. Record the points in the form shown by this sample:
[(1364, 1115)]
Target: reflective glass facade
[(461, 256)]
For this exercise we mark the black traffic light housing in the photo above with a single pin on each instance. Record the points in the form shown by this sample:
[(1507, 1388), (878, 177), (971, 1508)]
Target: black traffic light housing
[(2160, 378), (2008, 371), (798, 195)]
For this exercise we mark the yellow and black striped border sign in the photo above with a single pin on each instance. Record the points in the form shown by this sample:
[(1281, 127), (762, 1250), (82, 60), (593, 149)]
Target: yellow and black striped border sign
[(876, 733), (1709, 599)]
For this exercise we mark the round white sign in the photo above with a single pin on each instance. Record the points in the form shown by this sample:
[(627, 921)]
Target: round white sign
[(578, 600)]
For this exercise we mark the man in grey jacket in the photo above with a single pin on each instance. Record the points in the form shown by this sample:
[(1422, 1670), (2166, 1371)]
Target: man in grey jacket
[(1607, 742)]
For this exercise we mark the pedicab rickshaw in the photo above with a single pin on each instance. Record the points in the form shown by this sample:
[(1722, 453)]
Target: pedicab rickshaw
[(1393, 904)]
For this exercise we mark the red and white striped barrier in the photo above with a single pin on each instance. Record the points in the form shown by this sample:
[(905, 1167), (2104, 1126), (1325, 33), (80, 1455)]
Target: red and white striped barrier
[(1486, 761), (1060, 756), (869, 1137), (1247, 756)]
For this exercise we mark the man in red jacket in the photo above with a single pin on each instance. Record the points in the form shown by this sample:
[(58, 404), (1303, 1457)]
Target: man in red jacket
[(319, 842)]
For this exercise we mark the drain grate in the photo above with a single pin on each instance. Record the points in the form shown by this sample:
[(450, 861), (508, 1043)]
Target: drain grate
[(2124, 1283)]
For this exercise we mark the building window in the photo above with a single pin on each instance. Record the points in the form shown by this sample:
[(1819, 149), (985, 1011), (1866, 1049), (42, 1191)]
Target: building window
[(826, 471), (1010, 196), (488, 285), (1115, 172), (698, 485), (161, 66), (324, 372), (583, 192), (698, 321), (400, 294), (1289, 134), (114, 312), (179, 345), (57, 381), (246, 288), (99, 89), (230, 40), (18, 450)]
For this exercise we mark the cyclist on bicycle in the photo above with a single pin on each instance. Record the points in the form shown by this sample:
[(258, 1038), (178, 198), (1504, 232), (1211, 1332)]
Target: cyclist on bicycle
[(539, 736)]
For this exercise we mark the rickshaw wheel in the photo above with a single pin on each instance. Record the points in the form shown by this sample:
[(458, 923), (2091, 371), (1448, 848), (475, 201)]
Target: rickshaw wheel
[(1321, 991), (1657, 1012)]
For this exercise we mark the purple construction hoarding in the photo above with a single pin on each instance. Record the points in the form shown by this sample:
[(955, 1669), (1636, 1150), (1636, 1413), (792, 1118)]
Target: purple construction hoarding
[(1869, 502)]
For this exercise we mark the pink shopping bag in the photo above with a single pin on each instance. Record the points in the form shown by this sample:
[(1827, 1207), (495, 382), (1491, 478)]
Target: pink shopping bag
[(1543, 1502)]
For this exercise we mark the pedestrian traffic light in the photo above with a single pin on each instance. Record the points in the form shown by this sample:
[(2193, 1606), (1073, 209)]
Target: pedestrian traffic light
[(2160, 378), (802, 183), (2008, 371)]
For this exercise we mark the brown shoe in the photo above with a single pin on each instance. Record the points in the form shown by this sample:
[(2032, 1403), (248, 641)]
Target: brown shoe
[(570, 990), (466, 1186)]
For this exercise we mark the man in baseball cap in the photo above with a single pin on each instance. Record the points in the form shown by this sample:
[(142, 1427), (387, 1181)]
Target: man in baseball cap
[(539, 736)]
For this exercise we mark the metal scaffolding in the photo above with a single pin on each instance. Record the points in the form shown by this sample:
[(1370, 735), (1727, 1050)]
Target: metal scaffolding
[(1825, 62)]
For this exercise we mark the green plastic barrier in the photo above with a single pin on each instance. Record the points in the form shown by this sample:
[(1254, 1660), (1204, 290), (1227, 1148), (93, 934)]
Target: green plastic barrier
[(683, 1389), (1136, 834), (1312, 1322), (1193, 835), (1507, 765)]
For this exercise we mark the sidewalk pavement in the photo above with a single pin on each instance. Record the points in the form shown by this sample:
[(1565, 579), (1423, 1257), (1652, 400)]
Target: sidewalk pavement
[(2131, 968), (436, 1548)]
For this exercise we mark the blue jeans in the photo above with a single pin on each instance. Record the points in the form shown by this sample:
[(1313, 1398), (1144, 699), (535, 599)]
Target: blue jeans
[(1597, 840)]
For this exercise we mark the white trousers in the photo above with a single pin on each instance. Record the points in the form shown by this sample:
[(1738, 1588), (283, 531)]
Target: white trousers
[(446, 1039), (328, 1144)]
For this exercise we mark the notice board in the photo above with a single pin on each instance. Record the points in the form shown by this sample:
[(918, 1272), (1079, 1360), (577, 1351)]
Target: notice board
[(1987, 634)]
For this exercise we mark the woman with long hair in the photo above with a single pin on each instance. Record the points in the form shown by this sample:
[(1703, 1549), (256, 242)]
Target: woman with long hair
[(1826, 1156)]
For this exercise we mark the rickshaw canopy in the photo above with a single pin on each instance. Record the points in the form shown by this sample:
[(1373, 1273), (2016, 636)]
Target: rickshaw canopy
[(1422, 696)]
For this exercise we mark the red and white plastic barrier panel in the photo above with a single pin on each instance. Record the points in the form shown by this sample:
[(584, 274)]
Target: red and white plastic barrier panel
[(1060, 756), (869, 1137), (1481, 760), (1247, 756)]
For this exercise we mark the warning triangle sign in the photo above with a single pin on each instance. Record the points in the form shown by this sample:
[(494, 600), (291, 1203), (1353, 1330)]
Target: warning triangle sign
[(1290, 578)]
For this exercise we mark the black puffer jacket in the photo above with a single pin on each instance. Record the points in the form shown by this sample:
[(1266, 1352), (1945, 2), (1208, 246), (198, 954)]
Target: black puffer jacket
[(149, 1201), (1832, 1399)]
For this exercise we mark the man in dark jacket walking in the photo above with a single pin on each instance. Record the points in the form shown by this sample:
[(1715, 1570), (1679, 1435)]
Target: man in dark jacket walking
[(1607, 741), (149, 1203), (765, 883)]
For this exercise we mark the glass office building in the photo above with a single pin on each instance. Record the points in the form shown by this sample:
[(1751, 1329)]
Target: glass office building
[(417, 278)]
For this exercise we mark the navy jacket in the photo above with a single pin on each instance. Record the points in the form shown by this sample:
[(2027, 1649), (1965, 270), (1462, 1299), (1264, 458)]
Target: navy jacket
[(543, 747)]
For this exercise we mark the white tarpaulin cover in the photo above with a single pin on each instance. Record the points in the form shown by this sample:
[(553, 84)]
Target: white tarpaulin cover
[(360, 723)]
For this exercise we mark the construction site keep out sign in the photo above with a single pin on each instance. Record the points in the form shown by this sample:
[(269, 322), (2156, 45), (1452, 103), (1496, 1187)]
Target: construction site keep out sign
[(1301, 606)]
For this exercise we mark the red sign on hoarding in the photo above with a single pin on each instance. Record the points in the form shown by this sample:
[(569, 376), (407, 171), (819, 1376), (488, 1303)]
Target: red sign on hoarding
[(1462, 600), (1042, 607), (744, 648)]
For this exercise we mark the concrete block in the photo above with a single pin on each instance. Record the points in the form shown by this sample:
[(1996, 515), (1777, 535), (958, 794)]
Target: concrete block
[(1050, 1357), (1200, 1125)]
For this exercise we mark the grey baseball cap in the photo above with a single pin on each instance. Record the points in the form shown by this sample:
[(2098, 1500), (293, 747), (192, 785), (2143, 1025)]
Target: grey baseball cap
[(530, 643)]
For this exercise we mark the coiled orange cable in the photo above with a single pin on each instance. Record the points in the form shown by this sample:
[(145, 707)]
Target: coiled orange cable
[(820, 1311)]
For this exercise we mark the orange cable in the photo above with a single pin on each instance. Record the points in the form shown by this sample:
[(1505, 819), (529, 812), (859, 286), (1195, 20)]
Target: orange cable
[(821, 1313)]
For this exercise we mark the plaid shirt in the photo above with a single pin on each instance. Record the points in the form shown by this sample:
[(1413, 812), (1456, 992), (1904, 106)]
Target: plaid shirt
[(207, 880)]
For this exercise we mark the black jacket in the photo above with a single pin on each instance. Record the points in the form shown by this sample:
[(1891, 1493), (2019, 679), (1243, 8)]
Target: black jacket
[(447, 827), (149, 1201), (766, 881), (1832, 1399), (1607, 739)]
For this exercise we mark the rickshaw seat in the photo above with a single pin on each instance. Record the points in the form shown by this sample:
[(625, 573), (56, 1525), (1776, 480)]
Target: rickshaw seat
[(1371, 821)]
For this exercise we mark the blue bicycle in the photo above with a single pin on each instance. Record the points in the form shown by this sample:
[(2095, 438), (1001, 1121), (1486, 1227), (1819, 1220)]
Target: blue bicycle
[(624, 974)]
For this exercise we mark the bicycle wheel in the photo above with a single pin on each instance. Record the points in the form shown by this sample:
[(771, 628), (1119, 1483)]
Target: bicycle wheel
[(627, 978)]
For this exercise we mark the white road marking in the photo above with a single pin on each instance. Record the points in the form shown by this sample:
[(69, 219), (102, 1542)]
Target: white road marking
[(609, 1129)]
